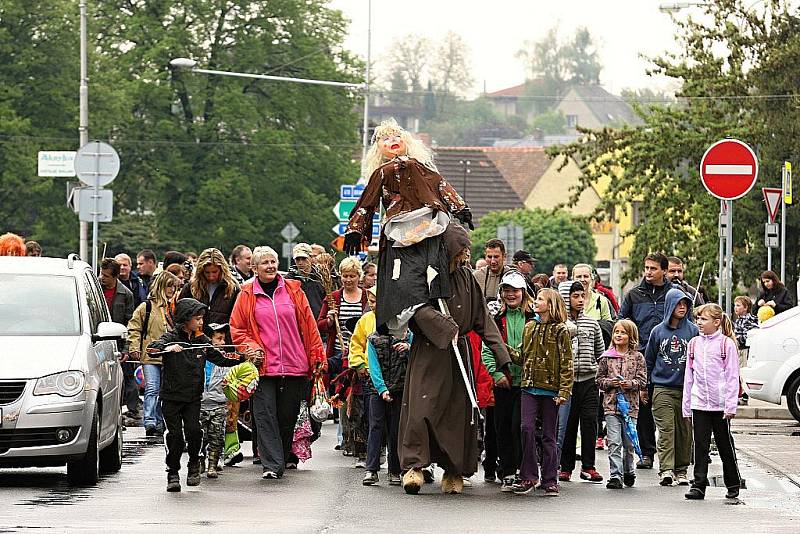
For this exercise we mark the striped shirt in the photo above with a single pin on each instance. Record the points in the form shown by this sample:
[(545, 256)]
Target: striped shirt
[(347, 310)]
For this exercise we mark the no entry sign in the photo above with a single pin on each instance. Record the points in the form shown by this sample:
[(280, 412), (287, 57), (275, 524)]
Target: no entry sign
[(729, 169)]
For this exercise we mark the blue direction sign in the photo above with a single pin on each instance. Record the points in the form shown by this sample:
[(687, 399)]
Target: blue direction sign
[(341, 228), (350, 192)]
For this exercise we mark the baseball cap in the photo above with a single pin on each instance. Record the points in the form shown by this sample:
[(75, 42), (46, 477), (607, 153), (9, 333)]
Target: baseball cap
[(301, 250), (522, 255), (513, 279)]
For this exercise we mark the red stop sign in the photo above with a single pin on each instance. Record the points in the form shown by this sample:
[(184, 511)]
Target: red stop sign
[(729, 169)]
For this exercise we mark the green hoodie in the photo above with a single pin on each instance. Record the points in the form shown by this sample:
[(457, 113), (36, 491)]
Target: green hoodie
[(515, 324)]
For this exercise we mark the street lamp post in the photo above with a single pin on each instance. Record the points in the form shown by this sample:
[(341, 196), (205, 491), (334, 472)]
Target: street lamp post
[(83, 121)]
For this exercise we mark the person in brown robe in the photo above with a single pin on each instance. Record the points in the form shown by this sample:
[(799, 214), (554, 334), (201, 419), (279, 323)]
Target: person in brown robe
[(436, 421)]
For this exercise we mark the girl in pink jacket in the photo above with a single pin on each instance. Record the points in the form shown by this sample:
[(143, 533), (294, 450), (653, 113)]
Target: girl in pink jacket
[(710, 395)]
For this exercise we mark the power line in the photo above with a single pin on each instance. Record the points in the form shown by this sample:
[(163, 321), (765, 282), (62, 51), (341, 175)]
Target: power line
[(166, 142)]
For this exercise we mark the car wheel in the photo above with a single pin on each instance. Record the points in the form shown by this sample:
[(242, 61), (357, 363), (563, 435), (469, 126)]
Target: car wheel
[(86, 471), (111, 456), (793, 398)]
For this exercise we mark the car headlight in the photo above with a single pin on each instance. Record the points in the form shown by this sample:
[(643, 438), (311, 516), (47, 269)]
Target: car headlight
[(66, 384)]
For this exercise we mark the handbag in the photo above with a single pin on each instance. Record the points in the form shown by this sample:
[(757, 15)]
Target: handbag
[(320, 408)]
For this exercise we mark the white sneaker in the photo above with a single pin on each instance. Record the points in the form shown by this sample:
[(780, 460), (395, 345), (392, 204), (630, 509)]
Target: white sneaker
[(361, 464), (467, 482), (682, 480), (667, 478)]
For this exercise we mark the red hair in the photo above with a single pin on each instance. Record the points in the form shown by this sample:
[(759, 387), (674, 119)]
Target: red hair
[(12, 245)]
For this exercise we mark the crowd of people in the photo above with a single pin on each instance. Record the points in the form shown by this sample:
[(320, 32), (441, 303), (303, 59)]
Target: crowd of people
[(555, 359)]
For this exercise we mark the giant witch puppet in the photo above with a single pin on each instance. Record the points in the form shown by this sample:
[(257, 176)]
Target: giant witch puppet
[(419, 205), (422, 281)]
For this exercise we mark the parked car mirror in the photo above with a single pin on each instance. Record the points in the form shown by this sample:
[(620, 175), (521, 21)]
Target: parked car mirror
[(109, 331)]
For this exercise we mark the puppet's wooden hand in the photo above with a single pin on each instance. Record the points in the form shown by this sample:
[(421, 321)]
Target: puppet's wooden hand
[(465, 217), (352, 243)]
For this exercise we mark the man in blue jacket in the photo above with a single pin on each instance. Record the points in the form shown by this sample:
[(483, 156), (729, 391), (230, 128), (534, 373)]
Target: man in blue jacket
[(666, 355), (644, 305)]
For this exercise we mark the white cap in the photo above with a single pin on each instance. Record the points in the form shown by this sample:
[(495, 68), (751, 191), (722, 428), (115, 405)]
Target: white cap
[(513, 279)]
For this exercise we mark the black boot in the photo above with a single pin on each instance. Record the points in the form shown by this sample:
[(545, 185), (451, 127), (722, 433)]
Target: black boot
[(733, 493), (193, 474), (173, 482), (695, 494)]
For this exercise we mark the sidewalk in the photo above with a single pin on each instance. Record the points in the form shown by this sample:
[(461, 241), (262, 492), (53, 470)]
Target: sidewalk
[(757, 409)]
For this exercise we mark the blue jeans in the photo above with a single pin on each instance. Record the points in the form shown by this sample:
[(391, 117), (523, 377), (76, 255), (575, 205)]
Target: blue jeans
[(152, 404), (563, 415), (620, 447)]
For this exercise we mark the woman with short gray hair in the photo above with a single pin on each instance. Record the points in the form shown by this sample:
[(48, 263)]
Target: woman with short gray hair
[(272, 316)]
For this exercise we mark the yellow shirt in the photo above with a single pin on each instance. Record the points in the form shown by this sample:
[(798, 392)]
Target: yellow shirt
[(358, 341)]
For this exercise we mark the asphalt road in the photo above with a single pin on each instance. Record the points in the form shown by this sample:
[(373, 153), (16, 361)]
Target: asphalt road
[(326, 495)]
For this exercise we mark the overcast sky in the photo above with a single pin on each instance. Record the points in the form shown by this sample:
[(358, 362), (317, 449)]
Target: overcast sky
[(496, 29)]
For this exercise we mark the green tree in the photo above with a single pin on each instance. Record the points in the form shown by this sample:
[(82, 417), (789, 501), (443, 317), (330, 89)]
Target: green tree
[(551, 122), (472, 123), (737, 69), (450, 71), (550, 236)]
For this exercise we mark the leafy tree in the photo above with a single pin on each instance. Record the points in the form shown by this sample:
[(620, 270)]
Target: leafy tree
[(551, 122), (582, 59), (472, 123), (737, 68), (550, 236), (450, 71)]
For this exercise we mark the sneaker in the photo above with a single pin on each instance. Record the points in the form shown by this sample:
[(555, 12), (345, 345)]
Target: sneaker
[(193, 473), (360, 464), (337, 447), (695, 494), (523, 487), (629, 479), (666, 478), (551, 491), (591, 475), (564, 476), (733, 493), (256, 461), (173, 482), (742, 402), (235, 459), (394, 479), (614, 483), (270, 475), (466, 482), (370, 478), (508, 484), (291, 465), (599, 445), (645, 463), (681, 479)]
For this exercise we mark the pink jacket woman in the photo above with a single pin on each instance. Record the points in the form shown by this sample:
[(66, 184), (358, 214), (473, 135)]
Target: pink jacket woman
[(711, 381)]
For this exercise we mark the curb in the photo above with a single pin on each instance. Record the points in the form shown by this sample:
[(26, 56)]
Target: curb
[(752, 412)]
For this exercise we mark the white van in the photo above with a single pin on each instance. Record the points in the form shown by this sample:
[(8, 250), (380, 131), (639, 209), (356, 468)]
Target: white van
[(60, 376), (773, 365)]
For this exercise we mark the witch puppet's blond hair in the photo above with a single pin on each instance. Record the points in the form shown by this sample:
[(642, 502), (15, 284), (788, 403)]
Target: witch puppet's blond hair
[(415, 148)]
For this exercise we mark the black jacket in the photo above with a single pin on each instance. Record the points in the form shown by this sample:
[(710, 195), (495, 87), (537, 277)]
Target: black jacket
[(644, 305), (134, 283), (183, 373), (393, 363), (219, 308), (781, 296), (311, 286)]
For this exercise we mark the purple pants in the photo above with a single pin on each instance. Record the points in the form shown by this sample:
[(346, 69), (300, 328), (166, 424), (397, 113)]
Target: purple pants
[(532, 407)]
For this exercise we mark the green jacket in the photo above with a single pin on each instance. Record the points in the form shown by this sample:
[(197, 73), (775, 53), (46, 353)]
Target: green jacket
[(546, 358), (511, 324)]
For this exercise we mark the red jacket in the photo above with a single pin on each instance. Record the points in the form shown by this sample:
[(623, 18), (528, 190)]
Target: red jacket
[(484, 383), (608, 294), (327, 326), (244, 329)]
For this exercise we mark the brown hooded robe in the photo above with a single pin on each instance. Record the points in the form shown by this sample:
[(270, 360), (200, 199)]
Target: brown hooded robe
[(436, 417)]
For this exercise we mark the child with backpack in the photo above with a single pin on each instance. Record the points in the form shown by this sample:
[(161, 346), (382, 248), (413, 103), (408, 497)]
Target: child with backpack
[(182, 384), (710, 394), (546, 383), (621, 369)]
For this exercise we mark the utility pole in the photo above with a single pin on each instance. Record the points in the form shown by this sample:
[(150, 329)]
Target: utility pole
[(365, 135), (83, 123)]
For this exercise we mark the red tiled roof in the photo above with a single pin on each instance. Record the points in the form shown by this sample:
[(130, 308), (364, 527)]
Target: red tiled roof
[(485, 189), (514, 92)]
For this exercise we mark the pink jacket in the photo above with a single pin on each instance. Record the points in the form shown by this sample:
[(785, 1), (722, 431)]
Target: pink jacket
[(711, 381)]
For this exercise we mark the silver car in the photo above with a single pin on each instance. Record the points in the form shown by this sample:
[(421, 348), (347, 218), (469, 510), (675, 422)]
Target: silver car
[(60, 377)]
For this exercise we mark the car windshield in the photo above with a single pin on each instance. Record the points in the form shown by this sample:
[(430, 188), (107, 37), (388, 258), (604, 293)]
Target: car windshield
[(43, 305)]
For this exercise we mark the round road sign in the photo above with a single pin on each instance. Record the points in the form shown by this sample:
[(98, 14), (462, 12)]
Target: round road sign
[(729, 169), (96, 164)]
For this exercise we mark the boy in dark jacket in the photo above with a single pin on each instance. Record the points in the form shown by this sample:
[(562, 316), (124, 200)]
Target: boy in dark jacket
[(182, 385), (666, 362), (388, 359)]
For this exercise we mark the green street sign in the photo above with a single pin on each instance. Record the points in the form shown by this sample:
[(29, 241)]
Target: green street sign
[(344, 208)]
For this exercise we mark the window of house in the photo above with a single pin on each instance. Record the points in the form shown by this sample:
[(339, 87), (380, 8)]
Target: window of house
[(572, 121)]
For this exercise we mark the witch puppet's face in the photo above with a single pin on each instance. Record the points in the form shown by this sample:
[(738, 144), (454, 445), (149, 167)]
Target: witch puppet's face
[(392, 145)]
